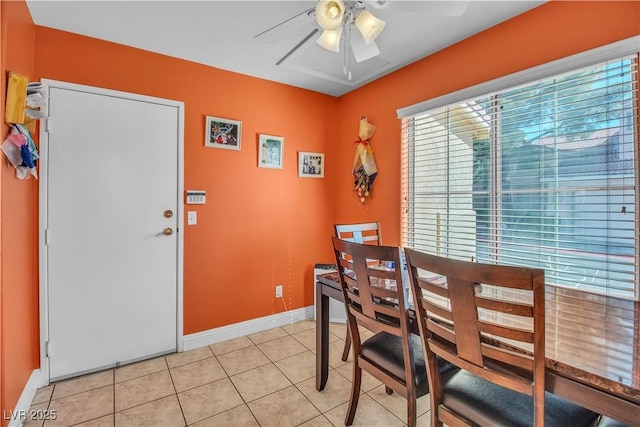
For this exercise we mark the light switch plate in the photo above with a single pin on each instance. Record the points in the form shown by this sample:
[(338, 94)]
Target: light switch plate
[(192, 218)]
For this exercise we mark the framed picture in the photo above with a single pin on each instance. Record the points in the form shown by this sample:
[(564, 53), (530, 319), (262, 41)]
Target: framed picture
[(270, 151), (310, 165), (223, 133)]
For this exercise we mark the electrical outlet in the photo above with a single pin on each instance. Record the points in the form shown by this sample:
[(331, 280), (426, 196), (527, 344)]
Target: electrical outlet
[(279, 291)]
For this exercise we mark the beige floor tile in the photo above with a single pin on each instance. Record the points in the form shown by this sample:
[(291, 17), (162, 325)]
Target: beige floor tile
[(308, 338), (36, 415), (243, 360), (365, 334), (82, 407), (208, 400), (268, 335), (106, 421), (338, 329), (196, 374), (281, 348), (43, 394), (259, 382), (425, 419), (335, 354), (369, 414), (140, 369), (230, 345), (240, 416), (367, 383), (164, 412), (179, 359), (286, 407), (299, 367), (397, 404), (319, 421), (303, 325), (335, 393), (81, 384), (36, 409), (32, 423), (144, 389)]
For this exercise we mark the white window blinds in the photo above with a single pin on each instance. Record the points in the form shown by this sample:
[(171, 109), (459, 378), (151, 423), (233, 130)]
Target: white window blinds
[(543, 175)]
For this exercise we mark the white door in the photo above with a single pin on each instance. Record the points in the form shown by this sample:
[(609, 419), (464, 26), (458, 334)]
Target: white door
[(111, 247)]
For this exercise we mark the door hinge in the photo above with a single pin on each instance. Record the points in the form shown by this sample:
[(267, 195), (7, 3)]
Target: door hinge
[(47, 237), (47, 348), (47, 124)]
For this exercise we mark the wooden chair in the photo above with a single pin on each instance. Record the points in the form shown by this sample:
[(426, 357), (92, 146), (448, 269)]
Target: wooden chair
[(488, 320), (367, 233), (392, 355)]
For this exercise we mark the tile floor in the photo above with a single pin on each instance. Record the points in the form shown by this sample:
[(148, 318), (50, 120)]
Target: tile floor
[(264, 379)]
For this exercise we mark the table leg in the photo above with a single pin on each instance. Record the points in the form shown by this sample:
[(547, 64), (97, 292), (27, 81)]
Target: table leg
[(322, 338)]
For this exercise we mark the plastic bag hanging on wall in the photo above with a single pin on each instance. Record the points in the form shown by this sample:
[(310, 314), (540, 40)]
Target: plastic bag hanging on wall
[(21, 152)]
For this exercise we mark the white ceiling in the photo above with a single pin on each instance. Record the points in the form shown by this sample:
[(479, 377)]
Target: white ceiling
[(221, 34)]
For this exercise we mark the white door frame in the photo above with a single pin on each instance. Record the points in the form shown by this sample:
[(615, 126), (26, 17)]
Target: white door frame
[(43, 214)]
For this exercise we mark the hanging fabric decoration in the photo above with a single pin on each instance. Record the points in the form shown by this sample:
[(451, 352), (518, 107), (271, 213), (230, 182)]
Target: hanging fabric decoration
[(364, 164)]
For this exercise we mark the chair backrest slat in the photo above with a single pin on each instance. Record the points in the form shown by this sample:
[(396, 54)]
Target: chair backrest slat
[(433, 287), (509, 332), (442, 331), (506, 356), (516, 308), (437, 310), (465, 320)]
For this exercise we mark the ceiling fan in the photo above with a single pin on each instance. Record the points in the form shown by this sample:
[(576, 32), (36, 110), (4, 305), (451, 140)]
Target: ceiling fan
[(351, 24), (334, 17)]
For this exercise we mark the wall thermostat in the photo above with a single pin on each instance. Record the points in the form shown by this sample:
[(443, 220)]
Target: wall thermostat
[(196, 197)]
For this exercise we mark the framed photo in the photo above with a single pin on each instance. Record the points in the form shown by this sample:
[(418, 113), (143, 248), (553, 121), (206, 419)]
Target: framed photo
[(270, 151), (310, 165), (223, 133)]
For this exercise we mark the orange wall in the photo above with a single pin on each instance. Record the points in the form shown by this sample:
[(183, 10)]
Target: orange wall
[(232, 260), (259, 227), (551, 31), (19, 354)]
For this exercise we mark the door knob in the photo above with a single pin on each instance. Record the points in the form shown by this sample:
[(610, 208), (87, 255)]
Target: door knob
[(167, 231), (168, 213)]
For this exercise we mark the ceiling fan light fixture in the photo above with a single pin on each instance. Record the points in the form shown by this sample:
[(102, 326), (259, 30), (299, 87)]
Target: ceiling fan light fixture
[(361, 50), (369, 26), (330, 14), (330, 39)]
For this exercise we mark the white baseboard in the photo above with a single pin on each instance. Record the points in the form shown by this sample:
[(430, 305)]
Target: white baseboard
[(224, 333), (17, 417)]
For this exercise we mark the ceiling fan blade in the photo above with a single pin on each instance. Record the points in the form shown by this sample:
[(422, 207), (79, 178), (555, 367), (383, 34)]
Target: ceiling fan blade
[(445, 8), (361, 50), (305, 41), (286, 27)]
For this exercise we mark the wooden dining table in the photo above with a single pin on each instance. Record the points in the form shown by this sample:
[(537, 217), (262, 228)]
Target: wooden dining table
[(592, 347)]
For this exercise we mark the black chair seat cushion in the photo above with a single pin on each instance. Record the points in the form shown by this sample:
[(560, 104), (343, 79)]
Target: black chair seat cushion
[(488, 404), (385, 351)]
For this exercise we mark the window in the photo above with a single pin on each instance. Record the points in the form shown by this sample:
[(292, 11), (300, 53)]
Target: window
[(543, 174)]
